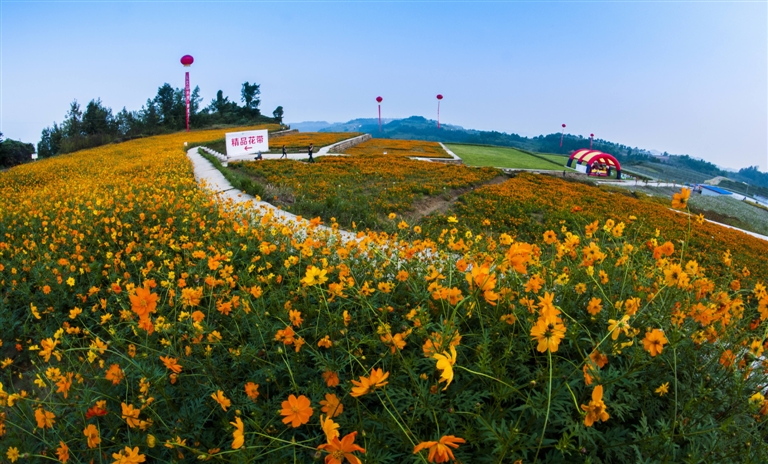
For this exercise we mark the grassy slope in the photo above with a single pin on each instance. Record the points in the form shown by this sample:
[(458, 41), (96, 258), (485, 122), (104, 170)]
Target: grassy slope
[(721, 209), (502, 157)]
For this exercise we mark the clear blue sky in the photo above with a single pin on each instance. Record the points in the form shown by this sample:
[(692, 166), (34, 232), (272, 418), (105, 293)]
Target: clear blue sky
[(682, 77)]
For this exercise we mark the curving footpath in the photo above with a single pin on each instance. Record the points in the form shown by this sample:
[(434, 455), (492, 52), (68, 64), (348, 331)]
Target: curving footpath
[(211, 178)]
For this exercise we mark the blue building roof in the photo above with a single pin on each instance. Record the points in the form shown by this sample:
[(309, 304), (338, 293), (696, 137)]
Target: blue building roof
[(716, 189)]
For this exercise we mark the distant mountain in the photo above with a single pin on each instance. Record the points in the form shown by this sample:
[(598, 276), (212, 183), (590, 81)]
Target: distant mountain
[(311, 126)]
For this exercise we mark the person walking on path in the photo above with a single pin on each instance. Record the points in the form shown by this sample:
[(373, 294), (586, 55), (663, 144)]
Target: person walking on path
[(311, 147), (285, 155), (258, 156)]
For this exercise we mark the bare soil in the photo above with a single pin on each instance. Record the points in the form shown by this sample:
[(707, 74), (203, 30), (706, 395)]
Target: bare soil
[(442, 203)]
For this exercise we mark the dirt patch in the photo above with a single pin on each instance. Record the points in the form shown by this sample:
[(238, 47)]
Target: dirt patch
[(443, 202)]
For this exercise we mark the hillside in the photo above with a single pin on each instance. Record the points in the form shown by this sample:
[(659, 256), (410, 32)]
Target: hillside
[(680, 168)]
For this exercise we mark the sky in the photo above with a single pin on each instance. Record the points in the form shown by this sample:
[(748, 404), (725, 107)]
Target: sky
[(683, 77)]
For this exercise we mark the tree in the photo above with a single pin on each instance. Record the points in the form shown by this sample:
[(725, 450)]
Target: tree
[(278, 114), (73, 123), (97, 119), (149, 117), (50, 141), (165, 100), (13, 152), (249, 95), (221, 104)]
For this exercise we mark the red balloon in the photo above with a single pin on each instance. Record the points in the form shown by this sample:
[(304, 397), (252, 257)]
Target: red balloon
[(439, 97), (379, 99), (187, 60), (563, 125)]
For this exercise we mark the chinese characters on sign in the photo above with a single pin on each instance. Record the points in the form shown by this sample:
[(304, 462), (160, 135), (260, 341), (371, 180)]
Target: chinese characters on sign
[(245, 143)]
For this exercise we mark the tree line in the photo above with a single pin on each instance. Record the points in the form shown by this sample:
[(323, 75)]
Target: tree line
[(164, 113)]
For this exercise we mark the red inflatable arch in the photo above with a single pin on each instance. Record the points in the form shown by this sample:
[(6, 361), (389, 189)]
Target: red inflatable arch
[(598, 163)]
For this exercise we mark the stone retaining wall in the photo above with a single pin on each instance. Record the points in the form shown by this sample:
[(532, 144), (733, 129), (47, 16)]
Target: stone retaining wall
[(283, 132), (349, 143)]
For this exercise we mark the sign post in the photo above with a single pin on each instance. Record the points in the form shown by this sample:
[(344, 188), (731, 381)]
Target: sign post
[(187, 61), (246, 143)]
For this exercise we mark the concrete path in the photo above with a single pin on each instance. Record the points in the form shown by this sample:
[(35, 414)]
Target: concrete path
[(211, 178)]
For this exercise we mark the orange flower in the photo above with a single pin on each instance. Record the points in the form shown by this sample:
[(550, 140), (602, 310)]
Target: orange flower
[(331, 405), (129, 456), (331, 378), (223, 401), (548, 333), (296, 410), (62, 452), (131, 415), (295, 317), (64, 384), (252, 390), (45, 419), (115, 374), (440, 451), (92, 434), (680, 200), (342, 449), (595, 306), (368, 384), (654, 341), (100, 409), (170, 363), (238, 435), (596, 409), (330, 428), (143, 302)]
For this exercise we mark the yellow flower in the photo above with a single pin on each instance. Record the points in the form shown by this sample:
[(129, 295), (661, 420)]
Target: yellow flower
[(445, 363), (238, 435), (12, 454), (223, 401), (663, 389), (314, 276)]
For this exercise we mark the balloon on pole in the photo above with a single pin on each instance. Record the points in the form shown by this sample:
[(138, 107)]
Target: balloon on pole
[(561, 136), (187, 61), (439, 97), (379, 99), (591, 136)]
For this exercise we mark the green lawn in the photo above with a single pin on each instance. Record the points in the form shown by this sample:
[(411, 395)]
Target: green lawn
[(503, 157)]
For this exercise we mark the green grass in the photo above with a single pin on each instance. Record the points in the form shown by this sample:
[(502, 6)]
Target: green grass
[(503, 157)]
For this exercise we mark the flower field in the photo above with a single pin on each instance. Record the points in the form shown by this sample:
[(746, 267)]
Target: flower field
[(299, 142), (361, 189), (144, 321), (519, 207), (402, 148), (294, 143)]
